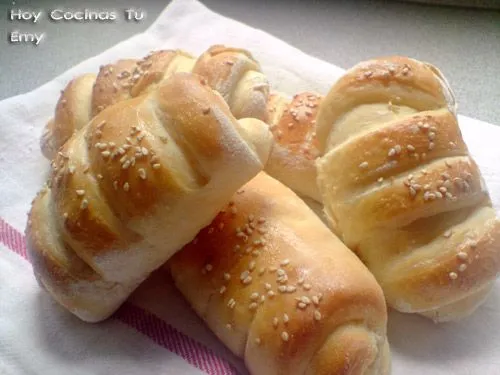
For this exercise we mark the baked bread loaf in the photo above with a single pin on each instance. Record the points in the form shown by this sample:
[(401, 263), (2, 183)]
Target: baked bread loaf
[(398, 183), (281, 291), (293, 124), (232, 72), (133, 186)]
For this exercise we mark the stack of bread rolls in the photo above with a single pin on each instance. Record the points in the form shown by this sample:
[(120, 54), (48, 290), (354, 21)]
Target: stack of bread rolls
[(195, 168)]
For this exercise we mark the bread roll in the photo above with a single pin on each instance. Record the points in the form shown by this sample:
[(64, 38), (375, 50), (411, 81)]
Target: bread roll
[(231, 71), (133, 186), (399, 184), (281, 291), (293, 124)]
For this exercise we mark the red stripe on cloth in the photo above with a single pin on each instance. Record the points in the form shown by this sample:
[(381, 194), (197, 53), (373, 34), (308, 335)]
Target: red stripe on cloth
[(143, 321)]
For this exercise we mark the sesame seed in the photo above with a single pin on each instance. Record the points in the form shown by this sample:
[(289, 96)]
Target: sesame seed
[(275, 322), (432, 136), (142, 173), (206, 110), (305, 300), (84, 204), (126, 186), (391, 152), (227, 276), (300, 281), (262, 271), (261, 220), (307, 286), (431, 146), (229, 326), (284, 336), (315, 300), (80, 192), (254, 296), (281, 272), (251, 265), (126, 164), (410, 148), (156, 166), (209, 267), (439, 194), (272, 269), (380, 179), (253, 306), (222, 290), (247, 280), (115, 185), (286, 318), (397, 148), (317, 315), (363, 165), (301, 305), (462, 267), (447, 234), (291, 288), (473, 244), (368, 74), (65, 215), (258, 341), (268, 286), (282, 289), (231, 303), (285, 262), (233, 210), (71, 169), (244, 275), (453, 275), (462, 255), (105, 153), (271, 294)]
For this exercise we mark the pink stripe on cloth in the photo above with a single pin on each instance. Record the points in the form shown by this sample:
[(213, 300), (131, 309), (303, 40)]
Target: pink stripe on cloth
[(143, 321)]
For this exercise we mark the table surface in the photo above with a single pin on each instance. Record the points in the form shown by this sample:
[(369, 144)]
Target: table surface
[(463, 42)]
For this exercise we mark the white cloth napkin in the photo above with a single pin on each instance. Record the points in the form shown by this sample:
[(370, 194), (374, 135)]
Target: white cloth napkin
[(156, 332)]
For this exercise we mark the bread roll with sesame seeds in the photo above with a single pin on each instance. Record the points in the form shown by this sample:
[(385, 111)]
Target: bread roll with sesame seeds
[(292, 159), (233, 72), (133, 186), (281, 291), (398, 183)]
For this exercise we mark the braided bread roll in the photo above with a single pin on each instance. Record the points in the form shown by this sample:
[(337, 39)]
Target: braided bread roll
[(398, 183), (231, 71), (281, 291), (133, 186), (295, 149)]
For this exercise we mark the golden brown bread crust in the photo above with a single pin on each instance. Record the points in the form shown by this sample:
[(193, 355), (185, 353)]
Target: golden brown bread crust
[(399, 185), (292, 159), (280, 290), (237, 76), (123, 185), (231, 71)]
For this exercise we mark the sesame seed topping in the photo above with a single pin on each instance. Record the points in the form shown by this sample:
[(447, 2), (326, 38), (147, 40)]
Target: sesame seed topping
[(262, 271), (291, 288), (315, 300), (447, 234), (301, 305), (473, 244), (397, 148), (229, 326), (391, 152), (142, 173), (286, 318), (227, 276), (307, 286), (126, 186), (156, 166), (254, 296), (281, 272), (453, 275), (222, 290), (231, 303), (363, 165), (273, 269), (285, 262), (317, 315), (462, 267), (432, 136), (115, 185), (305, 300), (80, 192), (270, 294), (251, 265), (247, 280), (206, 110), (282, 289), (267, 286), (253, 306), (462, 255), (71, 169), (258, 341), (284, 336), (84, 204), (275, 322), (380, 179), (209, 267), (105, 153), (431, 146), (410, 148)]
